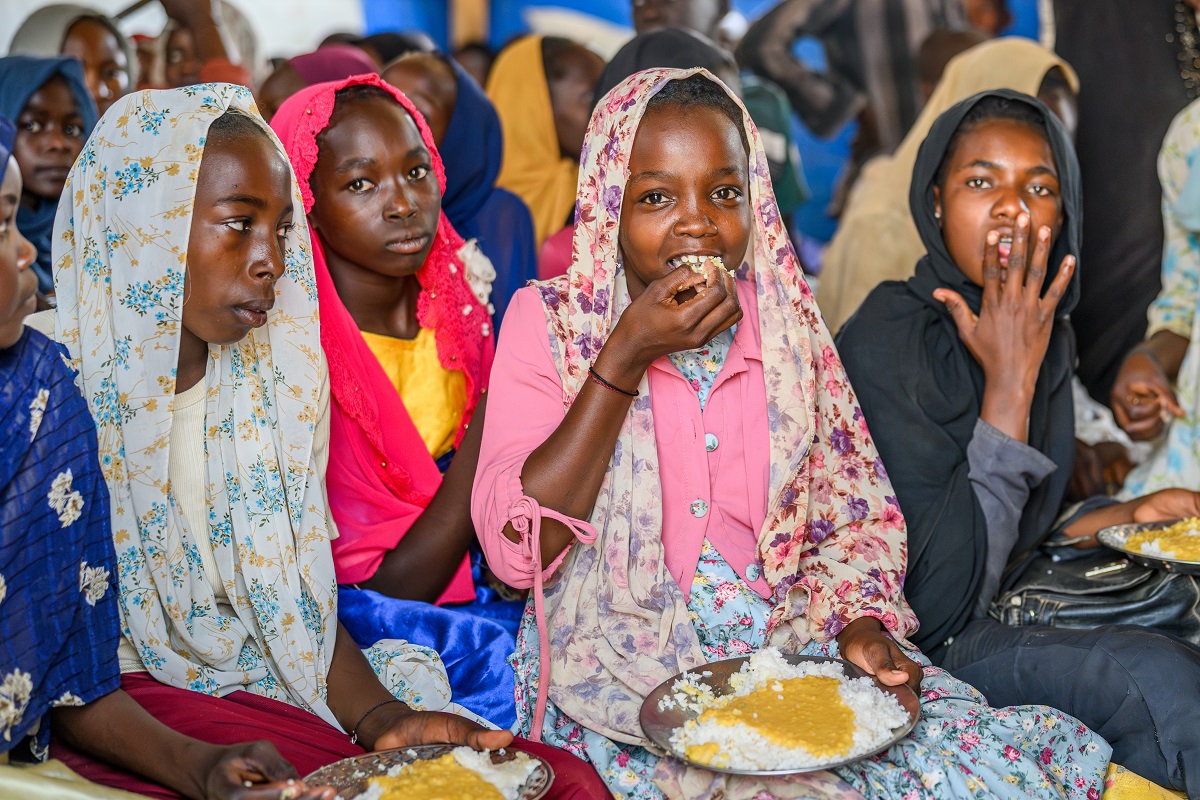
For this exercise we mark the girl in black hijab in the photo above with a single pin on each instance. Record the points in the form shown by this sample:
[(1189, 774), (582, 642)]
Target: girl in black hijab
[(964, 375)]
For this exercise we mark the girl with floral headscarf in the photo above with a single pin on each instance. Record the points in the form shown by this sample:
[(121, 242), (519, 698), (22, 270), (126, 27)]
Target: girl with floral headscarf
[(188, 304), (691, 478)]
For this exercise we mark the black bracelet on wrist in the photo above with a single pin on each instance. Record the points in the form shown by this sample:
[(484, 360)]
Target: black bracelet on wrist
[(596, 377), (357, 725)]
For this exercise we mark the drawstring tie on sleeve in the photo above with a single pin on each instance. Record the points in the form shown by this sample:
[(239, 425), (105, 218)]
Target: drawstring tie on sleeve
[(526, 517)]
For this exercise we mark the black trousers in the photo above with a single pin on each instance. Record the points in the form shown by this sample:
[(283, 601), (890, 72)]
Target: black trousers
[(1138, 689)]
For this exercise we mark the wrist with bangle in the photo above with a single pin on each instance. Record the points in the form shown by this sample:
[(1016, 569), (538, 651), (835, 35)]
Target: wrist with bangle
[(597, 379), (367, 713)]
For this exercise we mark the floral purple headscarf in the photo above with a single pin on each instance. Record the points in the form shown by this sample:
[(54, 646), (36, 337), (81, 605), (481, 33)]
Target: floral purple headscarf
[(833, 544)]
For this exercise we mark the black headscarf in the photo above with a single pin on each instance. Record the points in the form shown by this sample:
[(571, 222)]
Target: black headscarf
[(679, 48), (921, 392)]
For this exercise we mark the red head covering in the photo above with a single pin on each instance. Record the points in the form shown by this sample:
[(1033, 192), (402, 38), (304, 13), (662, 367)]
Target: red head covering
[(381, 477)]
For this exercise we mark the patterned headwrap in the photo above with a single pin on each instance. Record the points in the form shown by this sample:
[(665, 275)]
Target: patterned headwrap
[(833, 543), (449, 303), (120, 248)]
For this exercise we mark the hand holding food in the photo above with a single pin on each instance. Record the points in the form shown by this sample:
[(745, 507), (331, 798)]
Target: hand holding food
[(682, 310)]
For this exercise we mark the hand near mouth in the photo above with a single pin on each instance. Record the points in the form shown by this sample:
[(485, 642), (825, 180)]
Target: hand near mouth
[(1010, 334), (682, 310), (705, 271)]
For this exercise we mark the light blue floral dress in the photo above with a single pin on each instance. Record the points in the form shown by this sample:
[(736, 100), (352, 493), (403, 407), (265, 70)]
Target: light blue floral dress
[(960, 748)]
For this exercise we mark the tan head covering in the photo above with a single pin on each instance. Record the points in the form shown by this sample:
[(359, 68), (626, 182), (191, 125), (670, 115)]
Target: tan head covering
[(534, 167), (876, 240)]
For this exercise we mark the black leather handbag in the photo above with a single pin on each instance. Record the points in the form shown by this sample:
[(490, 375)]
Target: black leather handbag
[(1101, 588)]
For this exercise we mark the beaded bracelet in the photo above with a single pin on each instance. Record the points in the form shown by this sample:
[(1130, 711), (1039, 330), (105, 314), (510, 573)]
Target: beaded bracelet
[(596, 377), (354, 733)]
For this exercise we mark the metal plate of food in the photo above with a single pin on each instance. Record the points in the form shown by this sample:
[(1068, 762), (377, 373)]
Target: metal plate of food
[(1151, 543), (661, 718), (351, 776)]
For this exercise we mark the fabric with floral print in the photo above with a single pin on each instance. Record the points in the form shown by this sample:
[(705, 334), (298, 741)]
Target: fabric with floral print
[(730, 618), (59, 617), (121, 244), (1175, 460), (833, 544), (961, 748), (701, 366)]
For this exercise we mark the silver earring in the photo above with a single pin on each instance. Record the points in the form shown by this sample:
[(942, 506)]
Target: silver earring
[(937, 213)]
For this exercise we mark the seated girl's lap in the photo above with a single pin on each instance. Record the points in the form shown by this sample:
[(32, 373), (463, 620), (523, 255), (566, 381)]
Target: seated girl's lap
[(303, 738)]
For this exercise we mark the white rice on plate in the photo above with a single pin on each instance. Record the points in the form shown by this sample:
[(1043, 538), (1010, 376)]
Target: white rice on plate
[(876, 715), (508, 777)]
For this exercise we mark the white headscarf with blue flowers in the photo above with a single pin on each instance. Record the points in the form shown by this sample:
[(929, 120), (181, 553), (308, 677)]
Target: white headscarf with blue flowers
[(120, 251)]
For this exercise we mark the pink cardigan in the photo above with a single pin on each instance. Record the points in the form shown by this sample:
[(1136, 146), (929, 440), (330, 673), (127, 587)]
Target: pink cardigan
[(718, 494)]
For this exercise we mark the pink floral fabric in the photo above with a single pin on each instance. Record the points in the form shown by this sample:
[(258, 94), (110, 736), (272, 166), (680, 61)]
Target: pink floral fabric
[(833, 545)]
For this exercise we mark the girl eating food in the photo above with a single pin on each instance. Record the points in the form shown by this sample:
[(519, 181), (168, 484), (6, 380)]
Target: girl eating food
[(691, 478), (188, 305)]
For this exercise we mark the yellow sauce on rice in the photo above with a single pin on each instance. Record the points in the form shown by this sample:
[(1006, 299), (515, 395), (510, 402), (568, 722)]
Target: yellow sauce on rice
[(1180, 541), (806, 713), (436, 779)]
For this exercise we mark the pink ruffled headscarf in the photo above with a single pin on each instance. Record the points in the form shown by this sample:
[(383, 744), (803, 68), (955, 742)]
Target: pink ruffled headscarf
[(381, 476)]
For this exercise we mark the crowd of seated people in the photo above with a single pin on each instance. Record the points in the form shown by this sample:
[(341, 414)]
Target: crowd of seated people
[(390, 394)]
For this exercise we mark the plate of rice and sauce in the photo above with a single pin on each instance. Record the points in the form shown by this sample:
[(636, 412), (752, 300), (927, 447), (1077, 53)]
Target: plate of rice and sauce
[(776, 714), (1171, 546), (441, 771)]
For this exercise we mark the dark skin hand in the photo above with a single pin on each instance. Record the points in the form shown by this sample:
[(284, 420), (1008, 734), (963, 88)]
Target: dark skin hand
[(200, 41), (1098, 469), (354, 689), (115, 729), (1010, 334), (1143, 396), (1161, 506), (862, 643)]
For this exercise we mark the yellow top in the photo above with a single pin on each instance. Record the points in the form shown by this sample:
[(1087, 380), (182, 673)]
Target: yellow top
[(436, 397)]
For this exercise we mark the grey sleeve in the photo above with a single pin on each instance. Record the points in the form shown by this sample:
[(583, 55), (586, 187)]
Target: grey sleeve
[(1002, 472)]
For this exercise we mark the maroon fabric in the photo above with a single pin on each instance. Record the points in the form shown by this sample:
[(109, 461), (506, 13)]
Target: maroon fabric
[(302, 738)]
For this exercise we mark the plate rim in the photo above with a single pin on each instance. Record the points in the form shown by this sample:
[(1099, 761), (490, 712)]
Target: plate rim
[(649, 706), (550, 774), (1107, 536)]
